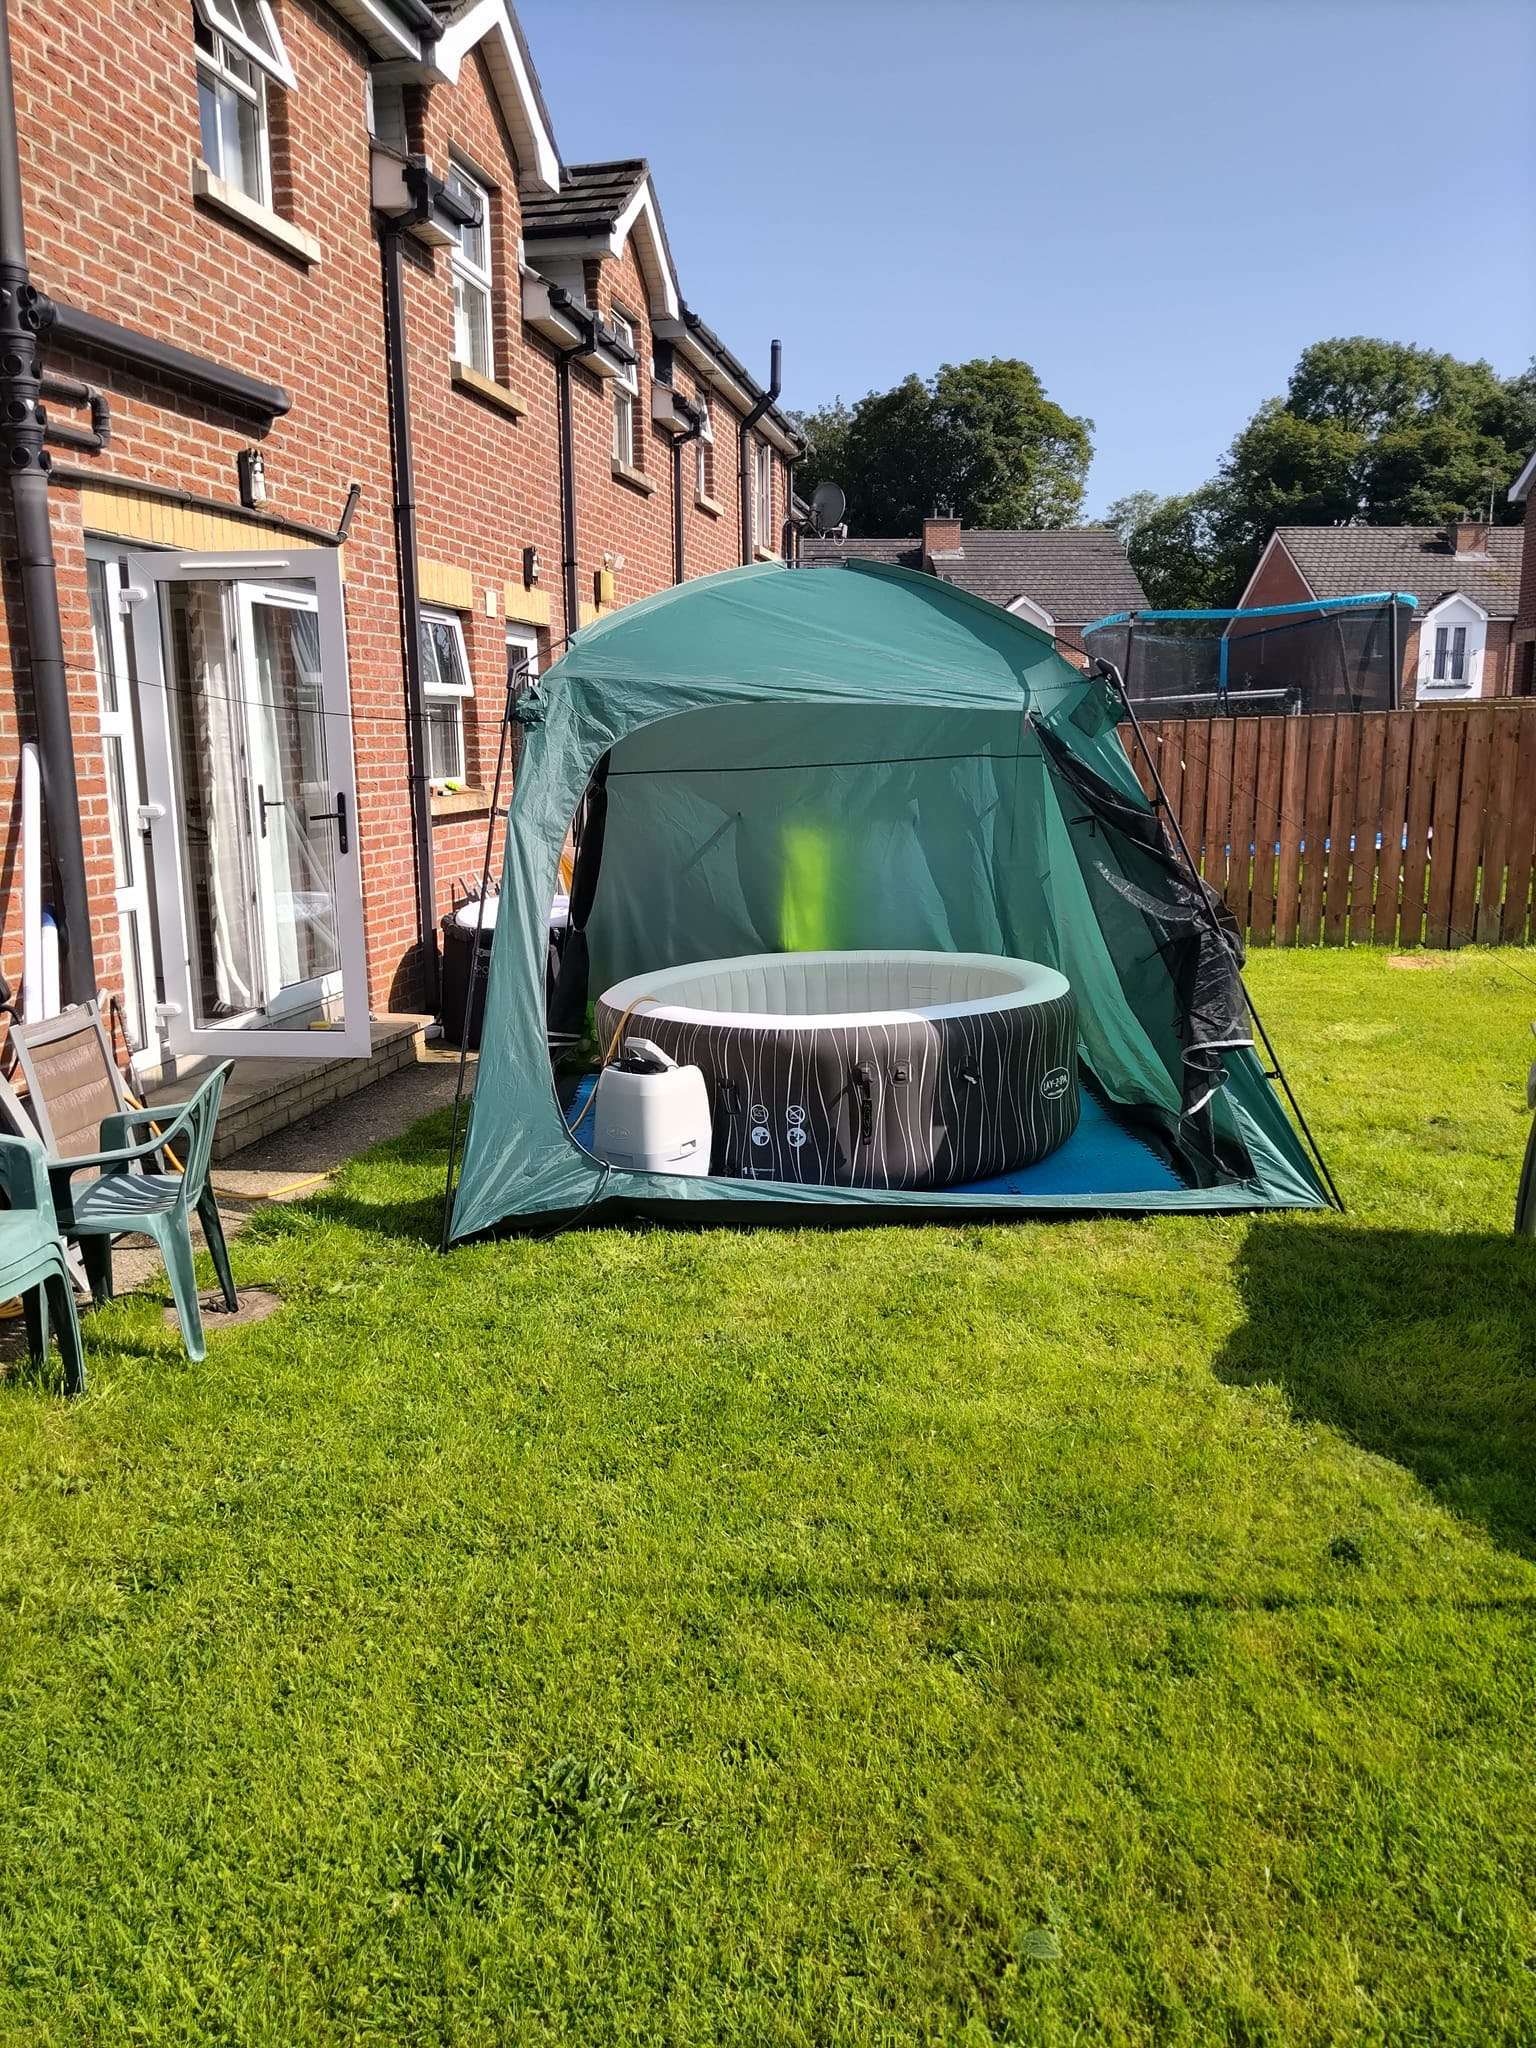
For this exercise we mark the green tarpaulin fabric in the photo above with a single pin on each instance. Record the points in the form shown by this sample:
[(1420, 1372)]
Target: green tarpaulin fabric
[(835, 758)]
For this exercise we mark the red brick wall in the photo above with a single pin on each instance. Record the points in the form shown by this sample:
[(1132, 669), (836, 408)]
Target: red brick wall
[(107, 111), (1277, 581)]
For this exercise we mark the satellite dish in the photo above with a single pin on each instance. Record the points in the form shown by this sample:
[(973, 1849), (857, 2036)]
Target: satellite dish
[(828, 505)]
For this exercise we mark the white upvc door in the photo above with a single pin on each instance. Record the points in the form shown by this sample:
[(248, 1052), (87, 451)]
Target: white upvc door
[(245, 719), (125, 813)]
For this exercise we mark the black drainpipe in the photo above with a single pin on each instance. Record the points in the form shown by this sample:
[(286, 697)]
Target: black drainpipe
[(404, 482), (22, 425), (568, 570), (677, 491), (775, 358)]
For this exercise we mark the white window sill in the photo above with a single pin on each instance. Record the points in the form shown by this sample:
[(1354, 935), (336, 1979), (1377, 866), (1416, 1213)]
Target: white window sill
[(708, 505), (762, 554), (261, 220), (636, 479), (469, 379)]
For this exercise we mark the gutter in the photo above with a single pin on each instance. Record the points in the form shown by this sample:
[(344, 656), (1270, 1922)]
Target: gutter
[(89, 335), (22, 427), (743, 436)]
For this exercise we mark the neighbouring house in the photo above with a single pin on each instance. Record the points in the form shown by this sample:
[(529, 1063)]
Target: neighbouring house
[(1061, 578), (358, 400), (1523, 655), (1465, 576)]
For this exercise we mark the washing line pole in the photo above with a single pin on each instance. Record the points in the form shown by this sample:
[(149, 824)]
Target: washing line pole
[(1111, 675)]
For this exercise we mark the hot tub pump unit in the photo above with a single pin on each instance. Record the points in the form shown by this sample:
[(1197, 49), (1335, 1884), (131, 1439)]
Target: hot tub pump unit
[(650, 1115)]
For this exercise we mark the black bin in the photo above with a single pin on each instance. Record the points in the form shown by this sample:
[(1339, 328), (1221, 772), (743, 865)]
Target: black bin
[(463, 1008)]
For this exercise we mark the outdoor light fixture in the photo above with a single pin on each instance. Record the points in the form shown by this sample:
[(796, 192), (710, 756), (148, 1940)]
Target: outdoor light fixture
[(252, 472), (530, 567)]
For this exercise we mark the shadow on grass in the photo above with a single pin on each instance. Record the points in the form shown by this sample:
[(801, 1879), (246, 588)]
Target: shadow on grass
[(1419, 1346)]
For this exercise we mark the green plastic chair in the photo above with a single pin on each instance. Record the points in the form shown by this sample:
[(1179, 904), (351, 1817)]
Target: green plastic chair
[(32, 1261), (158, 1204)]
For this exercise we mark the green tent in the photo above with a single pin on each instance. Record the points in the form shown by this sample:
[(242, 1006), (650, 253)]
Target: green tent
[(854, 756)]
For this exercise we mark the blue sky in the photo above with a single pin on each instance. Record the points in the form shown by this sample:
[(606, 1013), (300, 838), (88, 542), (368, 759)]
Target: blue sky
[(1158, 203)]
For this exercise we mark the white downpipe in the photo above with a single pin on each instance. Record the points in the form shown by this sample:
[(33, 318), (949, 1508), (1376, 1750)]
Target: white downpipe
[(50, 966), (31, 886)]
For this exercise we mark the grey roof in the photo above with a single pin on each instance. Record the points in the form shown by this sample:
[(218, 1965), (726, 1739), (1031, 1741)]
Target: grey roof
[(1346, 561), (1076, 573), (591, 198)]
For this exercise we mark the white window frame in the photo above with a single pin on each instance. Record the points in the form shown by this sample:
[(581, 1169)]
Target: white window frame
[(762, 495), (472, 280), (265, 50), (224, 76), (626, 386), (1454, 614), (441, 689), (705, 484)]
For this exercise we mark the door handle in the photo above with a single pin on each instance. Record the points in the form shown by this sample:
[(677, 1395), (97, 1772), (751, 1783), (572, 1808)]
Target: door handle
[(338, 818), (264, 803)]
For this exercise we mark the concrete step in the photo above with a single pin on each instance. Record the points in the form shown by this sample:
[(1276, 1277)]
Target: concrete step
[(266, 1095)]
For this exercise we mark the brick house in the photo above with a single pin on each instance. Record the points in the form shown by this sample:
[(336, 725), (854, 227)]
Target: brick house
[(1523, 650), (1466, 578), (284, 244), (1061, 579)]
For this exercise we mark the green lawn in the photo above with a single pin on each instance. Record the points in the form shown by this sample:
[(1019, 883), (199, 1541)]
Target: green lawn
[(1103, 1632)]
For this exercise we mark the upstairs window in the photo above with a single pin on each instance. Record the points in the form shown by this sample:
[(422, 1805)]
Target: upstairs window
[(471, 263), (445, 683), (625, 385), (1450, 654), (706, 451), (239, 55), (762, 512)]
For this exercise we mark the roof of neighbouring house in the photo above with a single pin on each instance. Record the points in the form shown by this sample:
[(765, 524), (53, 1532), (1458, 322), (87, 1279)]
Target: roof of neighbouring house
[(1339, 561), (591, 200), (1075, 573)]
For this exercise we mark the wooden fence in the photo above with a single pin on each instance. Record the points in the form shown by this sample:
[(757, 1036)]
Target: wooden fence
[(1389, 827)]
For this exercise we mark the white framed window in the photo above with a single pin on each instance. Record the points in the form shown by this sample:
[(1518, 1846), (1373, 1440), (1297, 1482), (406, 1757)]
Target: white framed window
[(239, 54), (249, 27), (706, 446), (470, 258), (445, 684), (1452, 646), (625, 386), (522, 652), (762, 511), (1450, 654)]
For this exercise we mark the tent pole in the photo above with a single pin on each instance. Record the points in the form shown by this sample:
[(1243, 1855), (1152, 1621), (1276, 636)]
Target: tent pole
[(516, 677), (1111, 675)]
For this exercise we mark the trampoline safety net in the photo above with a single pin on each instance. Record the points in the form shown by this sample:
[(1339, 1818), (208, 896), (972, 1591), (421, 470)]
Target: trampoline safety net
[(1339, 654)]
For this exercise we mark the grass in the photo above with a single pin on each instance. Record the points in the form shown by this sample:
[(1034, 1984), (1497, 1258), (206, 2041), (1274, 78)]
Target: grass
[(1112, 1632)]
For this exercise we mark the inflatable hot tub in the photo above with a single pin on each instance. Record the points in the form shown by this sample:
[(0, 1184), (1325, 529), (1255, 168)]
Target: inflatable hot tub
[(886, 1070)]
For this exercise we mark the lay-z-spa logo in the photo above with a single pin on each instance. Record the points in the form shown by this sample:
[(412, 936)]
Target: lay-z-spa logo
[(1055, 1084)]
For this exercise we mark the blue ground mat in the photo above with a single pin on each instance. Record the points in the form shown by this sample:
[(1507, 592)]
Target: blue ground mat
[(1101, 1157)]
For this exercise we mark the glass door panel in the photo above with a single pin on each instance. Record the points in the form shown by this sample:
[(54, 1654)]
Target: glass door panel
[(248, 763)]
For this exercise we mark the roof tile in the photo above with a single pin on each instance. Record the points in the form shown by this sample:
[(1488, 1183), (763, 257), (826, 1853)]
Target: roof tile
[(1076, 573), (1347, 561)]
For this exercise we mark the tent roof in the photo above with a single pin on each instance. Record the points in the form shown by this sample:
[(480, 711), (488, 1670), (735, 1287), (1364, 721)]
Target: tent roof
[(863, 633)]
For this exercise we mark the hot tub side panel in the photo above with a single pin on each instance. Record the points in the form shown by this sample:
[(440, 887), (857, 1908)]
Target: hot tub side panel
[(921, 1103)]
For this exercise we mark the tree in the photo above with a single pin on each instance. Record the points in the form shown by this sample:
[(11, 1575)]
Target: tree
[(1369, 432), (980, 438), (1179, 547)]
